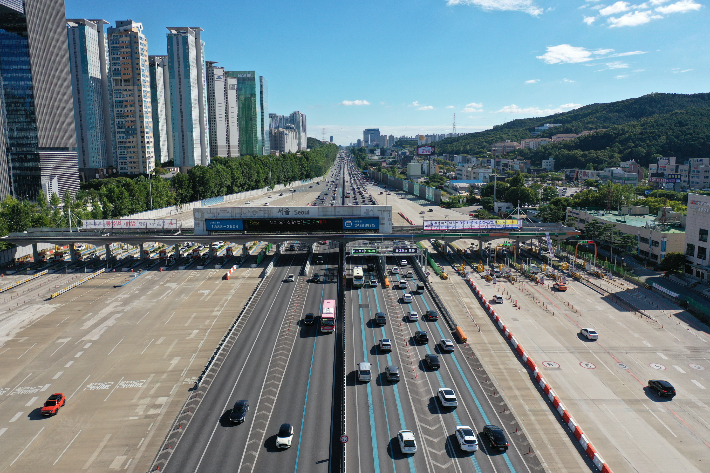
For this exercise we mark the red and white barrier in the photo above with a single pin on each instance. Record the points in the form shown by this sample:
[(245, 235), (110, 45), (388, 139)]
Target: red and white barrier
[(546, 388), (229, 273), (409, 220)]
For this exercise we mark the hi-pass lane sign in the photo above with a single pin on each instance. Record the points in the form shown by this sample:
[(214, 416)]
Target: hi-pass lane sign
[(364, 251)]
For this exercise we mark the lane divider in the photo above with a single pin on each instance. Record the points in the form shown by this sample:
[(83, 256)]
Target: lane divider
[(546, 388), (409, 220), (17, 283), (78, 283)]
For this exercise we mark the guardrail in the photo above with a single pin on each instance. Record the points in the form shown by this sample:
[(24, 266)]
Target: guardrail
[(434, 296), (18, 283), (78, 283), (343, 402)]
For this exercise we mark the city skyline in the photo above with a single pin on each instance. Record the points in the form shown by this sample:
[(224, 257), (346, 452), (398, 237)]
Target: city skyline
[(489, 62)]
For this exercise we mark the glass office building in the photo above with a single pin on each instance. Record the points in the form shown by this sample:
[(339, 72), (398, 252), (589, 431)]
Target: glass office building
[(253, 99)]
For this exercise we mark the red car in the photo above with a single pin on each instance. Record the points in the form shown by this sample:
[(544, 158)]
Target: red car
[(52, 405)]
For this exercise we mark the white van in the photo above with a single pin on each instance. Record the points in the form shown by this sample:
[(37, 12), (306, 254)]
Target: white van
[(364, 372), (498, 299)]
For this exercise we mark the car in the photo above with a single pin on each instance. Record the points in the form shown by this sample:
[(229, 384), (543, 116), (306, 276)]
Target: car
[(560, 286), (407, 443), (663, 388), (324, 242), (315, 278), (309, 318), (53, 404), (403, 262), (421, 336), (498, 299), (395, 270), (247, 202), (446, 345), (430, 210), (380, 318), (496, 437), (392, 373), (407, 298), (373, 282), (285, 436), (447, 397), (385, 344), (467, 438), (239, 411), (281, 194), (589, 333), (432, 361), (402, 284), (432, 315), (412, 316), (290, 278), (421, 213), (266, 204), (364, 372), (320, 260)]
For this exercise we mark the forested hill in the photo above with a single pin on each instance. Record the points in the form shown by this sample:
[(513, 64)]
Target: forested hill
[(589, 117)]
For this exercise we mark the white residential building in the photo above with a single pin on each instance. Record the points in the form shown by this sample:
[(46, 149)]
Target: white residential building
[(160, 100), (188, 97), (699, 173), (697, 227), (223, 112), (548, 164)]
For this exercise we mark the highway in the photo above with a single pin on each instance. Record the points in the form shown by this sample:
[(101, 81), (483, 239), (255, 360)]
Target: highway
[(284, 369)]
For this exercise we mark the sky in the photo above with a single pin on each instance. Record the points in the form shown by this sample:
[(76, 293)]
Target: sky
[(407, 66)]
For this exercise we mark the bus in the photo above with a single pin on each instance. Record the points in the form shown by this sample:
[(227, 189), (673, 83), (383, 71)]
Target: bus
[(358, 276), (327, 316)]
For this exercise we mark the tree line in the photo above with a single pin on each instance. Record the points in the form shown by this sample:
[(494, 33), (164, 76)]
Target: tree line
[(121, 196)]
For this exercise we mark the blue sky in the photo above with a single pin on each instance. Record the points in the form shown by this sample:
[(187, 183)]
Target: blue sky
[(406, 66)]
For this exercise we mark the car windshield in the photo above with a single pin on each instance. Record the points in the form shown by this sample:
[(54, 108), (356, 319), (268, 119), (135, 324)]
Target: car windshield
[(50, 403), (364, 372), (592, 332), (240, 407), (285, 430), (385, 340), (448, 393), (409, 443), (468, 433)]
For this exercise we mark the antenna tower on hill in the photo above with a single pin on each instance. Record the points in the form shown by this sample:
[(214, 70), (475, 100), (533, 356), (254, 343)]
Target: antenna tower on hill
[(323, 140), (454, 132)]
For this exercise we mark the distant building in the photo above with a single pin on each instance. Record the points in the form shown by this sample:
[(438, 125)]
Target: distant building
[(253, 119), (222, 112), (298, 120), (564, 137), (284, 140), (331, 138), (546, 126), (130, 89), (699, 173), (633, 167), (93, 115), (160, 102), (414, 170), (534, 143), (371, 137), (37, 133), (696, 236), (548, 164), (667, 173), (188, 96), (504, 147)]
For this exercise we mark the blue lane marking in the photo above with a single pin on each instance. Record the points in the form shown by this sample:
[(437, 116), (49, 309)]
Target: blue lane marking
[(373, 433), (468, 386), (441, 381), (308, 387)]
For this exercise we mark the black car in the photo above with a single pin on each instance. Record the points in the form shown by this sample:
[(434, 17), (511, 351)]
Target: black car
[(320, 260), (496, 436), (239, 411), (421, 336), (309, 318), (380, 318), (432, 361), (315, 278), (432, 315), (662, 388)]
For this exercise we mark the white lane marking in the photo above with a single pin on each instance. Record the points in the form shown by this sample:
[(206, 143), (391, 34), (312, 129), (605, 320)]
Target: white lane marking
[(44, 388), (697, 384), (662, 355), (72, 441), (114, 388), (160, 340), (63, 342), (19, 384), (194, 332), (119, 342), (96, 452), (56, 376), (646, 343), (679, 368), (31, 401), (662, 423), (23, 450), (139, 321), (146, 347), (87, 345), (72, 394), (2, 431), (78, 354), (16, 416), (117, 462), (69, 364), (30, 348), (129, 462), (171, 316)]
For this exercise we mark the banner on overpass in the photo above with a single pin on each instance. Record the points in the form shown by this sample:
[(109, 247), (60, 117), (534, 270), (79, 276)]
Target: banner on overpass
[(130, 224), (472, 224)]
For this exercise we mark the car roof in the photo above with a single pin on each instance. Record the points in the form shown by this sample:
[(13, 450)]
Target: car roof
[(663, 382), (407, 434), (285, 429)]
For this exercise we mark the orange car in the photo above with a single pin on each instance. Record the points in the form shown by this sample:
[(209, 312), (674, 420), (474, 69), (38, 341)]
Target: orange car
[(560, 286), (52, 405)]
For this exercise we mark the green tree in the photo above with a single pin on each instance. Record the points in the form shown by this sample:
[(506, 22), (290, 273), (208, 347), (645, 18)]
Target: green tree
[(673, 262), (549, 193)]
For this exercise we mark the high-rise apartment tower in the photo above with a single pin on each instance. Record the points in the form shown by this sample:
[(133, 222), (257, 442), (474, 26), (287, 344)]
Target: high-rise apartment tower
[(160, 102)]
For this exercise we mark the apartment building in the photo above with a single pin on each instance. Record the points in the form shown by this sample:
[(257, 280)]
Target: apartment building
[(699, 173), (504, 147), (223, 112), (534, 143), (160, 101), (696, 237)]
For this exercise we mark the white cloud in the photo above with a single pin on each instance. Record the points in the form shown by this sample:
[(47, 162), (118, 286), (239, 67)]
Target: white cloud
[(532, 81), (617, 65), (566, 54), (602, 52), (473, 107), (354, 102), (618, 7), (426, 107), (538, 111), (682, 6), (676, 70), (630, 53), (450, 106), (526, 6), (415, 103), (632, 19), (589, 19), (621, 76), (567, 80)]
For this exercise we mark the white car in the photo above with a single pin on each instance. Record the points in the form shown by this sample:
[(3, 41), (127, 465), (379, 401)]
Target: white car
[(285, 436), (266, 204), (467, 438), (447, 397), (403, 262), (407, 444), (247, 202), (446, 345), (385, 344), (395, 270), (407, 299), (412, 316), (589, 333)]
